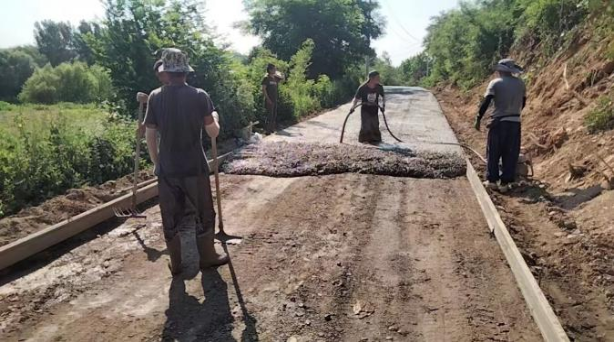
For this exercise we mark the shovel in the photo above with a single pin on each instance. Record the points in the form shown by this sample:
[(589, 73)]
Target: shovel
[(132, 212)]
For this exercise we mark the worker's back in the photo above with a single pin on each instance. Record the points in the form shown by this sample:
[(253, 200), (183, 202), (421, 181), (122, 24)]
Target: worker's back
[(178, 112), (508, 93)]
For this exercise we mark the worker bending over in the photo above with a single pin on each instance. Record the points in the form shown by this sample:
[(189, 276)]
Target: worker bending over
[(507, 93), (370, 94), (177, 112)]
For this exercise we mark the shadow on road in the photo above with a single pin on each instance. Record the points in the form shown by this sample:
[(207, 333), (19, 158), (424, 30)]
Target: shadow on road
[(189, 319)]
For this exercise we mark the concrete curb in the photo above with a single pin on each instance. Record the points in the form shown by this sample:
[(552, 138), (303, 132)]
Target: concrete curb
[(546, 320)]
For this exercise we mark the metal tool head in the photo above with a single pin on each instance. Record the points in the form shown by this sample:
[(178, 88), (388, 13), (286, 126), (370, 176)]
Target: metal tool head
[(127, 213)]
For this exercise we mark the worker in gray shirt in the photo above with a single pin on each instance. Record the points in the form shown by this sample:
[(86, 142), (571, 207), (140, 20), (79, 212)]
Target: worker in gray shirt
[(507, 93)]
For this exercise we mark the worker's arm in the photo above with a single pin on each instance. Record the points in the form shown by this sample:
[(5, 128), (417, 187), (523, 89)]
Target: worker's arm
[(482, 110), (141, 98), (151, 137), (212, 125), (279, 76), (524, 101), (357, 98)]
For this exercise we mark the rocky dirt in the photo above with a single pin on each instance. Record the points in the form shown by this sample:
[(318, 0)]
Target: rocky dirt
[(284, 159), (340, 257), (57, 209)]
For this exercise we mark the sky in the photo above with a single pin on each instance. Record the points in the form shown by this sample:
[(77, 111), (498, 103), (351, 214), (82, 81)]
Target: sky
[(407, 21)]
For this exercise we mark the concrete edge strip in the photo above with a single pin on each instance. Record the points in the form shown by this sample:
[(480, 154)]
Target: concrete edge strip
[(36, 242), (546, 320)]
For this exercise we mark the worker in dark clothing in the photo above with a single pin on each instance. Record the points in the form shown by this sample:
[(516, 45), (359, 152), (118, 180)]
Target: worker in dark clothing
[(178, 113), (371, 95), (270, 92), (507, 93)]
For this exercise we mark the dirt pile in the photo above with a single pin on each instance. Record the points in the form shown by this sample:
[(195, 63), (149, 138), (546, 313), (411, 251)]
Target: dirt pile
[(283, 159), (57, 209)]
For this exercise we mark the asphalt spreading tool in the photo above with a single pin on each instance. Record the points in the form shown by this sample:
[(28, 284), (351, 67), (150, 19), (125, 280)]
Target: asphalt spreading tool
[(383, 116), (133, 212)]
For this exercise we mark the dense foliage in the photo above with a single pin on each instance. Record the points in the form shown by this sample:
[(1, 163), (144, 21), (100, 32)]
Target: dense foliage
[(462, 44), (47, 149)]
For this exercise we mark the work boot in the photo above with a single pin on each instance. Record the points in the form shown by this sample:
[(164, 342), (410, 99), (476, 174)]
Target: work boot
[(207, 252), (490, 185), (174, 246)]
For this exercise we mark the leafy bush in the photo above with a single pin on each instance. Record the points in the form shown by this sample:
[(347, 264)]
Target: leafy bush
[(601, 117), (46, 150), (15, 67), (68, 82)]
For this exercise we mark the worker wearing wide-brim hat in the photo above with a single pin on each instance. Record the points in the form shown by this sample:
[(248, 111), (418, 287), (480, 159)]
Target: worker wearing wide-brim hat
[(178, 112), (507, 92)]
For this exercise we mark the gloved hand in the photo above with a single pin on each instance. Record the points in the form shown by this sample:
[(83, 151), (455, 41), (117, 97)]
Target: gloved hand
[(382, 109), (352, 110), (477, 123)]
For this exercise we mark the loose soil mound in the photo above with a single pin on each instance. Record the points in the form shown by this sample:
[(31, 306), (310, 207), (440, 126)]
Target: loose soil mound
[(283, 159), (62, 207)]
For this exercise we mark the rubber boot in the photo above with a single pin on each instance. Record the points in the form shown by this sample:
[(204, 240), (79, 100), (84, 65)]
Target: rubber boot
[(174, 246), (207, 252)]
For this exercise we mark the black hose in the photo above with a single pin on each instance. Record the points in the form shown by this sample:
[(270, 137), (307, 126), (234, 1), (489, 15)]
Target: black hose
[(387, 125), (346, 120), (383, 116)]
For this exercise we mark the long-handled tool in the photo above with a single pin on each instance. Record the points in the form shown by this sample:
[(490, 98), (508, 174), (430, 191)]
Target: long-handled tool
[(133, 211), (221, 235), (383, 116)]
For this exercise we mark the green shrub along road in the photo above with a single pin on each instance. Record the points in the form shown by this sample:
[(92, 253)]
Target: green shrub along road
[(46, 150)]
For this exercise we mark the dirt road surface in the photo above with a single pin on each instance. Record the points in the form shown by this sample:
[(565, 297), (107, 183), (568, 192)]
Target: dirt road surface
[(334, 257)]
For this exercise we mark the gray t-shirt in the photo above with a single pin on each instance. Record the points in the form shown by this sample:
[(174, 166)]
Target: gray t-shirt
[(508, 93), (178, 113)]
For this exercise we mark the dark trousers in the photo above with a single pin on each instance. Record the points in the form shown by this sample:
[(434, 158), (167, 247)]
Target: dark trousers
[(180, 196), (370, 126), (272, 114), (503, 142)]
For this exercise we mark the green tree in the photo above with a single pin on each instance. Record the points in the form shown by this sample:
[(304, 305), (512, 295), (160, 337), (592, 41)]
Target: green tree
[(15, 67), (68, 82), (389, 75), (33, 52), (86, 30), (340, 29), (55, 41), (414, 69)]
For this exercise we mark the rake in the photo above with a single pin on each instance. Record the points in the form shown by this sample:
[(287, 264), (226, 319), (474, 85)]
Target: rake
[(132, 212)]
